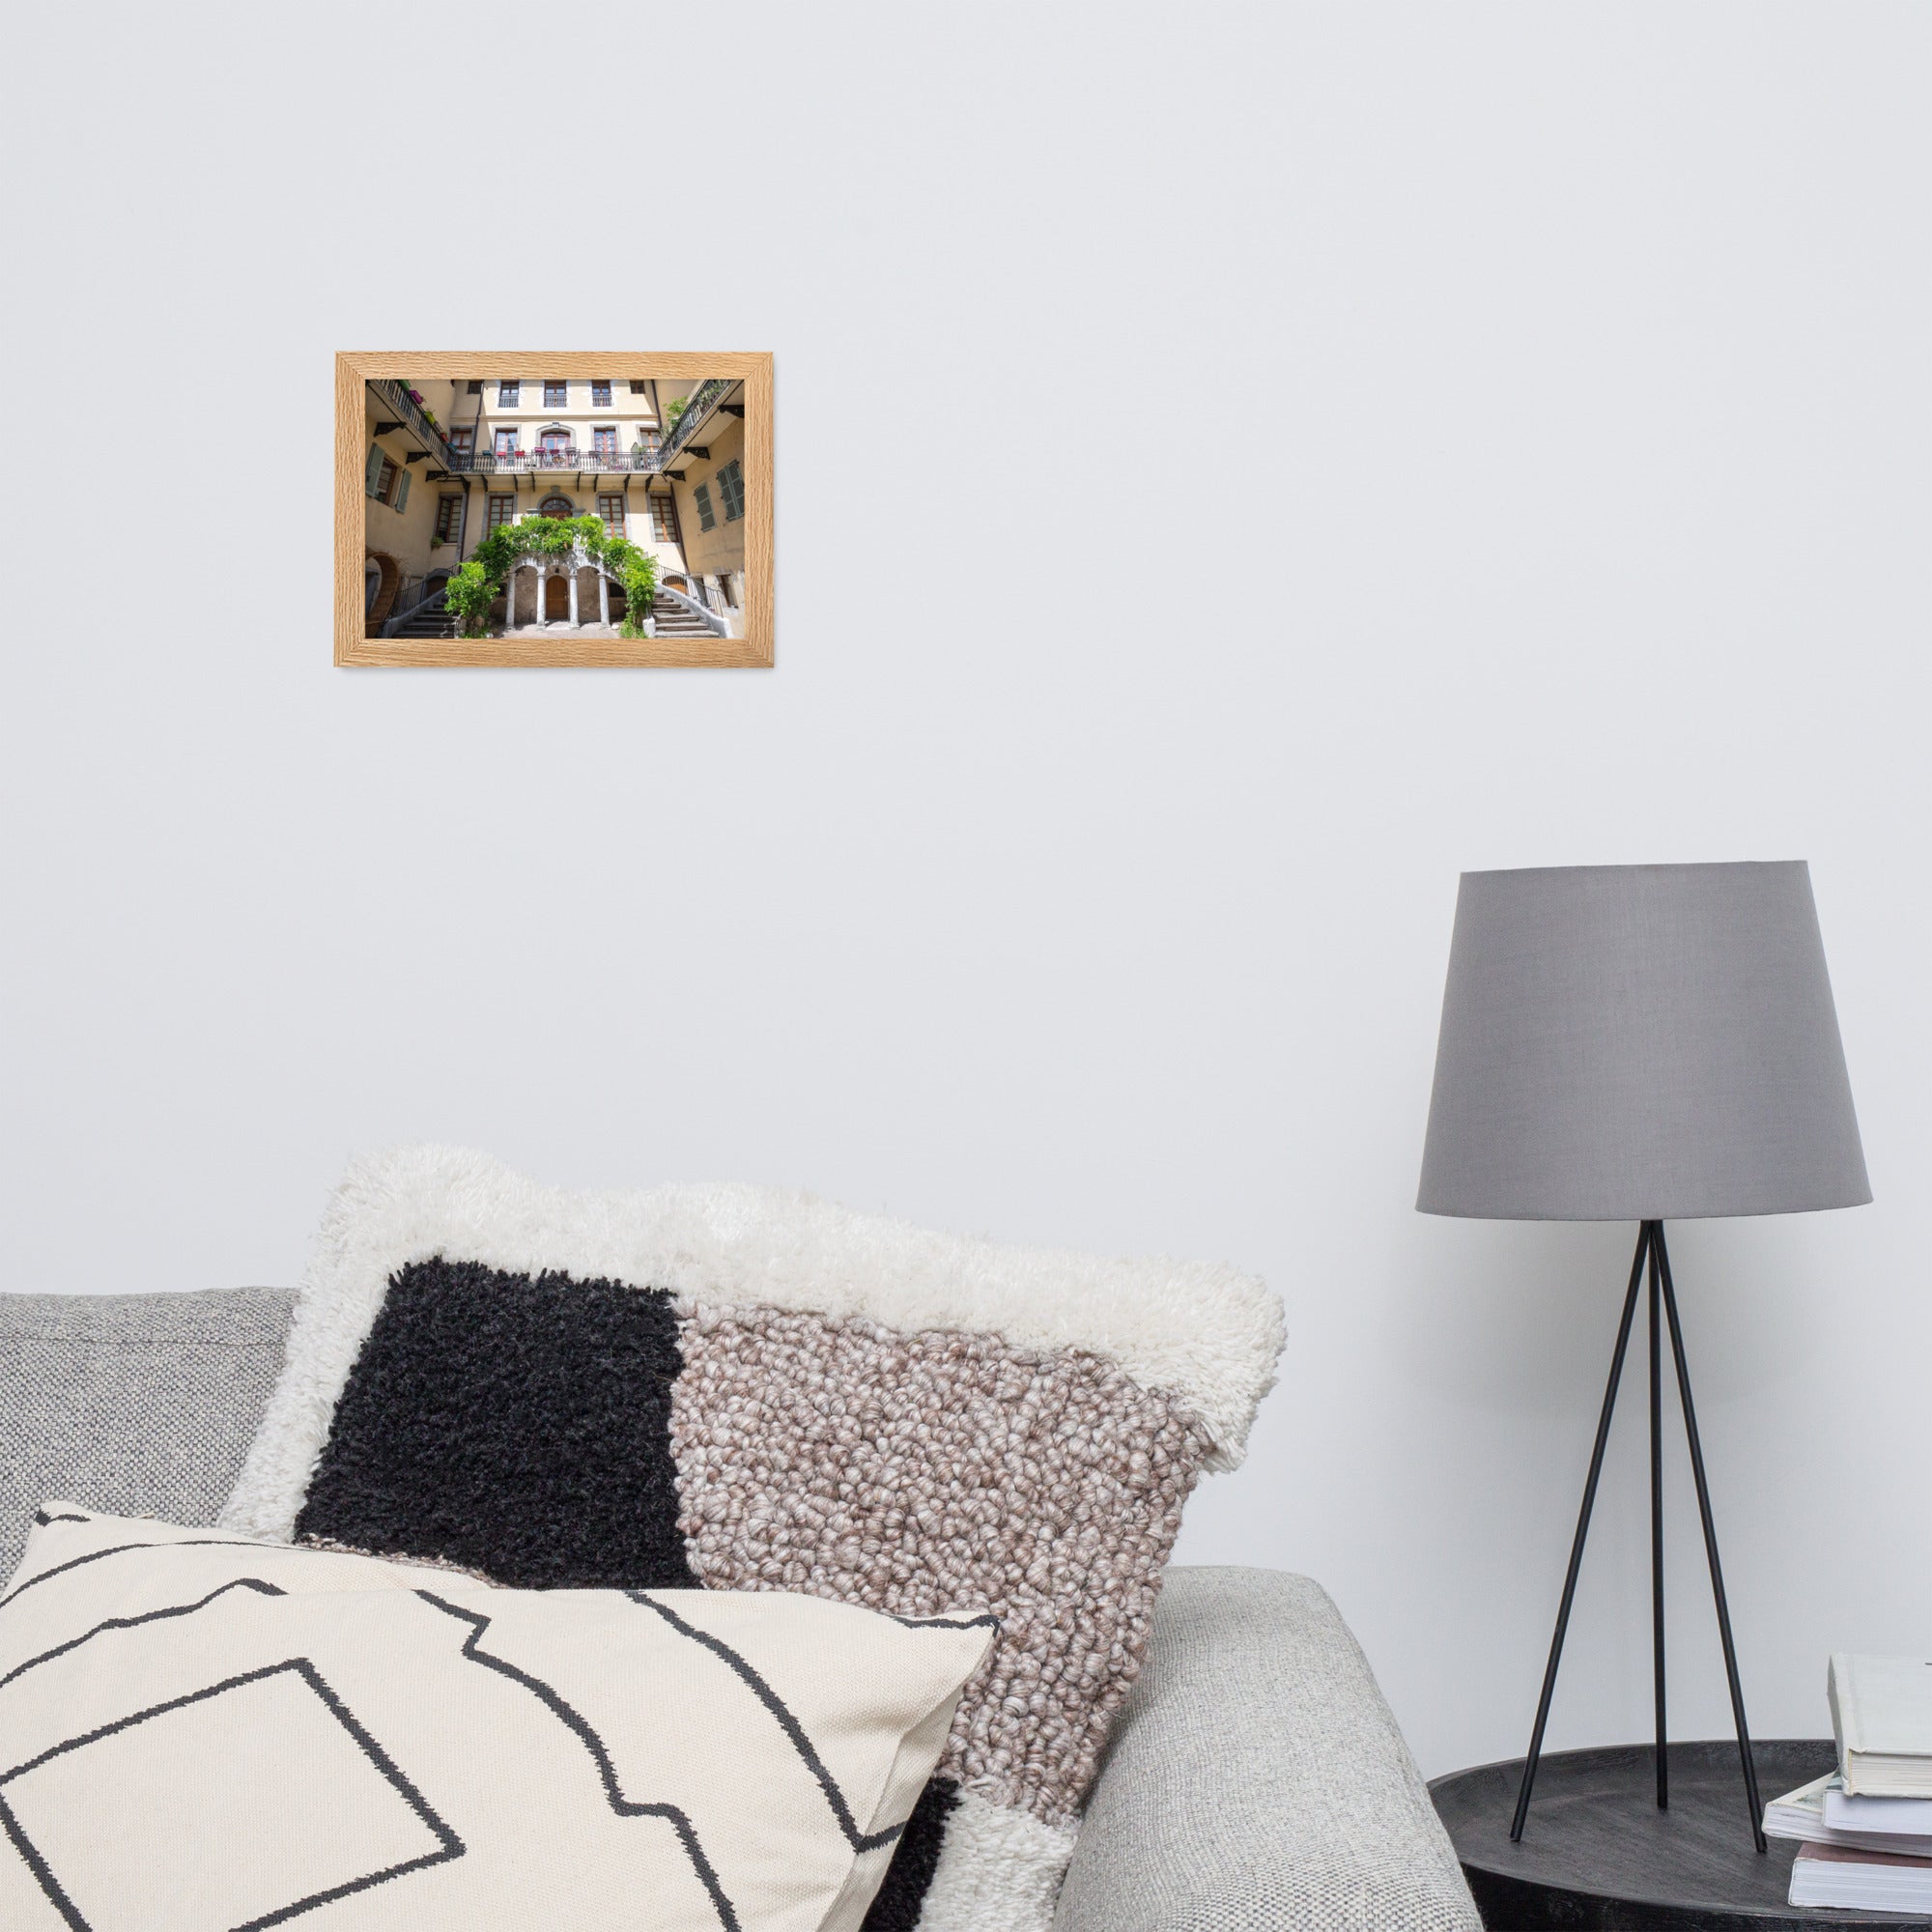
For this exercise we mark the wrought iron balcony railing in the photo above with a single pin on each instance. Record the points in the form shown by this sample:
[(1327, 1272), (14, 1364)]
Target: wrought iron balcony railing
[(656, 455), (605, 462), (700, 406), (395, 396)]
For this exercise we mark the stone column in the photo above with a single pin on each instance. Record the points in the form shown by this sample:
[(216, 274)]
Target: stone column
[(573, 596), (542, 574), (603, 600)]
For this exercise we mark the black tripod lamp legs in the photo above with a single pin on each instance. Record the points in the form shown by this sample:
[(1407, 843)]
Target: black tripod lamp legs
[(1656, 1519), (1582, 1533), (1710, 1546), (1651, 1253)]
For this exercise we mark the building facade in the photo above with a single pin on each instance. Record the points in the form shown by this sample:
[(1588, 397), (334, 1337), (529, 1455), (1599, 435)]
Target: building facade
[(448, 460)]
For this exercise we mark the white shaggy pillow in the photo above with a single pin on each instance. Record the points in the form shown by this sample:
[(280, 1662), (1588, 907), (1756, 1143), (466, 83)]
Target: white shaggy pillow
[(200, 1732)]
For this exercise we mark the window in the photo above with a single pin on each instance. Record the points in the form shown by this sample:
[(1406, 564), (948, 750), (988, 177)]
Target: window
[(380, 478), (664, 520), (731, 491), (399, 501), (638, 388), (728, 589), (560, 507), (475, 388), (604, 442), (701, 496), (459, 440), (556, 450), (600, 393), (372, 470), (612, 510), (507, 394), (502, 510), (448, 518), (556, 395), (506, 444)]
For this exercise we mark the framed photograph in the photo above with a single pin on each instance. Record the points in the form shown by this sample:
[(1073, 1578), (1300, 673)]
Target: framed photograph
[(552, 508)]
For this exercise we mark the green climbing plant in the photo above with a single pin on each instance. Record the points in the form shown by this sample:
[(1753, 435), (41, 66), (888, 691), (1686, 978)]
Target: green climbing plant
[(480, 582), (470, 593), (638, 571)]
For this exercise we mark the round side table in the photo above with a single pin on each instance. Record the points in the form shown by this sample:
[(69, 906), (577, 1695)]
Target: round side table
[(1598, 1855)]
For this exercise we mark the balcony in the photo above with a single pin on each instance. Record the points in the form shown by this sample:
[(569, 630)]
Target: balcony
[(658, 454), (703, 400), (605, 463), (394, 397)]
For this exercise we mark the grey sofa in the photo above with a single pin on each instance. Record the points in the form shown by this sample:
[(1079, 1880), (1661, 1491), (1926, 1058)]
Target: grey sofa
[(1256, 1780)]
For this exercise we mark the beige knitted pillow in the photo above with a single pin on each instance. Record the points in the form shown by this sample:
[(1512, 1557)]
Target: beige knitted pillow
[(745, 1389)]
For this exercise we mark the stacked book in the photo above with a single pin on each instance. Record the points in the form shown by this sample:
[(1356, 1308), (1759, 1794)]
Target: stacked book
[(1866, 1829)]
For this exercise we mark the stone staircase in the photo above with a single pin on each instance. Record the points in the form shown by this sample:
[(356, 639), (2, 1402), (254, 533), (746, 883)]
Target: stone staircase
[(673, 621), (432, 622)]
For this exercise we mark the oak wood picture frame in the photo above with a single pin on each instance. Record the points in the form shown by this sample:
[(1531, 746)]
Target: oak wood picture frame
[(355, 368)]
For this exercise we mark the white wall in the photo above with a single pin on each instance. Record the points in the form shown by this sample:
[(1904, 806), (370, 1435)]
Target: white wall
[(1565, 406)]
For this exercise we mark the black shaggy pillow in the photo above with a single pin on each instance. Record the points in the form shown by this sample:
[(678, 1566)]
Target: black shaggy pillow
[(510, 1424)]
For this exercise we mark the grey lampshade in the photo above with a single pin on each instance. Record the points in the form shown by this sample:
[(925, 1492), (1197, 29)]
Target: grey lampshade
[(1632, 1042)]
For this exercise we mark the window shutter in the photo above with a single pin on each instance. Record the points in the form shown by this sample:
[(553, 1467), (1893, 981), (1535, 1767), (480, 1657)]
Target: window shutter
[(372, 471), (402, 489)]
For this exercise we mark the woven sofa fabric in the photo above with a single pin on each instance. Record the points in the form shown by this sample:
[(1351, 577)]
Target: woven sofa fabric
[(852, 1409), (198, 1730), (142, 1404), (1257, 1779)]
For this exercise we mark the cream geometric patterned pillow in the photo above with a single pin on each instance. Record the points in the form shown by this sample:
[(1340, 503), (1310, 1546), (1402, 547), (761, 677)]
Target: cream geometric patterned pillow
[(205, 1734)]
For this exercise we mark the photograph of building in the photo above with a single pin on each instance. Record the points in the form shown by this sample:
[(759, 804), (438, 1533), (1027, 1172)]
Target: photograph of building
[(449, 462)]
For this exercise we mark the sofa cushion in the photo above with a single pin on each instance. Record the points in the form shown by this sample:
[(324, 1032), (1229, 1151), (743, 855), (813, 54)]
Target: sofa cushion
[(141, 1405), (1258, 1779)]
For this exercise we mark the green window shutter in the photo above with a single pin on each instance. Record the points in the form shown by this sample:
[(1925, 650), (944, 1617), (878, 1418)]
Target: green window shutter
[(402, 489), (372, 470), (701, 496)]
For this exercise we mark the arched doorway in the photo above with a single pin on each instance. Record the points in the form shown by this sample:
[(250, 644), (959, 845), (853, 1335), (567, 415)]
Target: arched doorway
[(380, 601), (556, 598)]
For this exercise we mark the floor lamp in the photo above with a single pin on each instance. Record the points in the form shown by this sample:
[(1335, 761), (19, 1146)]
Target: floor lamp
[(1640, 1043)]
